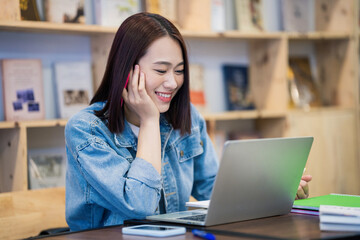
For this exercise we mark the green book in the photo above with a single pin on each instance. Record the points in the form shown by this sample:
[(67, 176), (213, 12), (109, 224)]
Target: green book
[(331, 199)]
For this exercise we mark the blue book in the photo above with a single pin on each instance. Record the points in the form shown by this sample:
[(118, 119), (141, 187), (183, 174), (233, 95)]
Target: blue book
[(237, 87)]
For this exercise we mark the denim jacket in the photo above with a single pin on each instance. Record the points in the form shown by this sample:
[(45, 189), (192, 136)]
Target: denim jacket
[(106, 183)]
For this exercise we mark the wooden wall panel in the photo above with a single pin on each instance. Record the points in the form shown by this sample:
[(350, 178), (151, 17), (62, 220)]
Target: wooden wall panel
[(100, 48), (334, 15), (10, 10), (13, 152), (333, 160), (268, 64), (336, 72)]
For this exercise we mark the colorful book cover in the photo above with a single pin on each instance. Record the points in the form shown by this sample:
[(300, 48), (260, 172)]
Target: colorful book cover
[(29, 10), (304, 92), (113, 12), (47, 167), (74, 86), (23, 89), (64, 11), (236, 84), (249, 15), (197, 91)]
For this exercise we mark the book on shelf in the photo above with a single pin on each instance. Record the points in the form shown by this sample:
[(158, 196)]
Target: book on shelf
[(218, 23), (337, 218), (230, 15), (64, 11), (166, 8), (22, 81), (296, 15), (249, 15), (223, 15), (113, 12), (74, 86), (29, 10), (47, 167), (314, 203), (197, 90), (237, 89), (303, 90)]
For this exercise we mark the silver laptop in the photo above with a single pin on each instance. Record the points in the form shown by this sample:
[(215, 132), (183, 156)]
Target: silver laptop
[(256, 178)]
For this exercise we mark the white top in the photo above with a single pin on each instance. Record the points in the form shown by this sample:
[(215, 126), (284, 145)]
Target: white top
[(135, 129)]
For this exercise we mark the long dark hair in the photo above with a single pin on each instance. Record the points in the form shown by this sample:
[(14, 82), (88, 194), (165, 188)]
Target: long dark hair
[(131, 41)]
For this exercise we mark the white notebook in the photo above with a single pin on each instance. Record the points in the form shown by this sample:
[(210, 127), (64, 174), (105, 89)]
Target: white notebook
[(198, 204)]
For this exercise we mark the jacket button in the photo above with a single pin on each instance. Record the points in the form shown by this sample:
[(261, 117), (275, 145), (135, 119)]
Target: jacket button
[(181, 153), (201, 143)]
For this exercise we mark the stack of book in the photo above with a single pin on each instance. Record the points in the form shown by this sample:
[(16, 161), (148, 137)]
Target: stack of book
[(336, 218), (337, 212), (312, 205)]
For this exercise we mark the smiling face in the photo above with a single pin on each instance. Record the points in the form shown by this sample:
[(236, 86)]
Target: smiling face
[(163, 66)]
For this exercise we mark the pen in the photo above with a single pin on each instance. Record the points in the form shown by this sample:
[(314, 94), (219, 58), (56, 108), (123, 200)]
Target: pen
[(203, 234)]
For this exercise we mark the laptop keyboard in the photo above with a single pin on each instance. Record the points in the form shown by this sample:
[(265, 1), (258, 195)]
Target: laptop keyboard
[(200, 217)]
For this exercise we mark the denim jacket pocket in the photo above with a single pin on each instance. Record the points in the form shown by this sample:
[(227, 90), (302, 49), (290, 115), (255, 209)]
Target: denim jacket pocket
[(189, 147)]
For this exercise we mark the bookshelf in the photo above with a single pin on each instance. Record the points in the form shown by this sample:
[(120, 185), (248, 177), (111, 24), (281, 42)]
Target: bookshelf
[(334, 161), (274, 46)]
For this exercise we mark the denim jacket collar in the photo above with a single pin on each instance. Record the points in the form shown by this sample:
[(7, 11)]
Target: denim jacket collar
[(127, 138)]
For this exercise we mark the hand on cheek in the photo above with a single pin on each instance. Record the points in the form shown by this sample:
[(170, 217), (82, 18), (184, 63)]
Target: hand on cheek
[(137, 99)]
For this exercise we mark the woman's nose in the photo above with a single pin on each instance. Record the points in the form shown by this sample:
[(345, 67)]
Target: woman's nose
[(170, 81)]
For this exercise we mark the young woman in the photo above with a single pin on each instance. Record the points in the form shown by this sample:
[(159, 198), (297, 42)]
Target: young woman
[(140, 148)]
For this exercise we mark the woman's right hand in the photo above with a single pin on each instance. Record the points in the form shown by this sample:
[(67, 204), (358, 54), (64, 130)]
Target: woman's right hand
[(137, 99), (139, 102)]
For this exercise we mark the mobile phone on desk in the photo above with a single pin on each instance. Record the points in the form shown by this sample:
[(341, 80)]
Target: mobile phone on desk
[(154, 230)]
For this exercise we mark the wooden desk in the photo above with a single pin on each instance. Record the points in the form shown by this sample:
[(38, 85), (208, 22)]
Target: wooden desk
[(291, 226)]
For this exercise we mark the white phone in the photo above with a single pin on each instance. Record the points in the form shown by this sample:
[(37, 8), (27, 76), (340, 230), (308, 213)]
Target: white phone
[(154, 230)]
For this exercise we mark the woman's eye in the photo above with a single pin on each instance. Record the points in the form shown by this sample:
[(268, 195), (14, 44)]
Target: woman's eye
[(179, 71), (160, 71)]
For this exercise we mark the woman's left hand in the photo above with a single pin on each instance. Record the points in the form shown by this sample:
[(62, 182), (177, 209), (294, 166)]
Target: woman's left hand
[(303, 189)]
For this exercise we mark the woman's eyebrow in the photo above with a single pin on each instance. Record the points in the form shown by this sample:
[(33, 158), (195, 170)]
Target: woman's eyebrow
[(167, 63)]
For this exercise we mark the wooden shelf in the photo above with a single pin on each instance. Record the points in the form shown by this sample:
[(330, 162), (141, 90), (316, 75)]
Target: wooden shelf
[(252, 35), (6, 125), (32, 124), (83, 29), (318, 35), (263, 114), (319, 110), (48, 27), (199, 34), (219, 116), (245, 114)]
